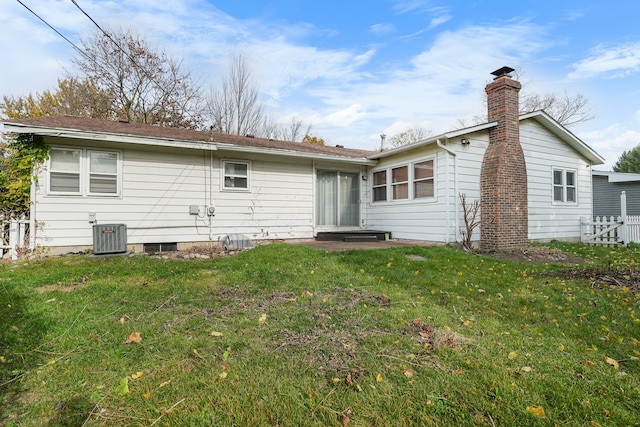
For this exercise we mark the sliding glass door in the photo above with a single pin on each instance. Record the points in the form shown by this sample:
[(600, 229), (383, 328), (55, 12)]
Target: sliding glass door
[(337, 196)]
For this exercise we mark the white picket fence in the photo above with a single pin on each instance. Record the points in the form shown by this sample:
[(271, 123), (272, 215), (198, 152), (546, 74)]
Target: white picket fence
[(610, 230), (13, 237)]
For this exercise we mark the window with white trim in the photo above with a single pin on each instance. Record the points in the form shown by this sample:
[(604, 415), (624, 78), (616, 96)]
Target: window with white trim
[(409, 181), (423, 181), (103, 172), (235, 175), (400, 183), (82, 172), (380, 186), (64, 170), (564, 186)]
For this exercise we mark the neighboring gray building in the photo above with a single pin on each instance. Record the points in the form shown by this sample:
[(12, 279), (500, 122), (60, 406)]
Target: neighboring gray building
[(607, 187)]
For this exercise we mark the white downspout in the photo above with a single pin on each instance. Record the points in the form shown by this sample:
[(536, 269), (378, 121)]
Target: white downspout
[(455, 192), (32, 212), (210, 194)]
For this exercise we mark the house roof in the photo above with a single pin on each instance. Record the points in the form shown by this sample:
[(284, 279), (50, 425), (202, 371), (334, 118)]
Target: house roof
[(120, 131), (618, 176), (540, 116)]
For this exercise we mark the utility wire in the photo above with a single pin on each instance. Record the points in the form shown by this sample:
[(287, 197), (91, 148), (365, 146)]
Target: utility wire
[(127, 54), (50, 26), (107, 35)]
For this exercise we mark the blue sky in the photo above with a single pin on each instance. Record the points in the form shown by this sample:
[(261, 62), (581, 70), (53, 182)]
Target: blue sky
[(356, 69)]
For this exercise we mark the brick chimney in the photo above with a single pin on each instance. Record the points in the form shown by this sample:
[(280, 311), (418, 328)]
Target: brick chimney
[(503, 177)]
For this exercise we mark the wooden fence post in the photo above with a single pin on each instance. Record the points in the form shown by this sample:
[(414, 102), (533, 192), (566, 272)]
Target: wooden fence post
[(13, 238)]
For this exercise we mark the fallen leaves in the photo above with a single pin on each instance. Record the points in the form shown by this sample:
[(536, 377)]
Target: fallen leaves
[(612, 362), (123, 386), (134, 337), (537, 411)]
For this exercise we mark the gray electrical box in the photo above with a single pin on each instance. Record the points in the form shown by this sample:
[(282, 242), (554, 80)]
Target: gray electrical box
[(194, 210), (109, 239)]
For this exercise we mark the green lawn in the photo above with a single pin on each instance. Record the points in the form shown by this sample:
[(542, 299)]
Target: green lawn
[(286, 335)]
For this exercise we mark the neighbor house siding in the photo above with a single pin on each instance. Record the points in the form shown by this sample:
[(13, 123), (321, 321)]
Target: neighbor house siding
[(543, 152), (606, 195), (159, 186)]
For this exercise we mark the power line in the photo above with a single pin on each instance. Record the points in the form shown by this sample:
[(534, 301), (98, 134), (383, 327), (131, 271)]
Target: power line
[(106, 34), (127, 54), (50, 26)]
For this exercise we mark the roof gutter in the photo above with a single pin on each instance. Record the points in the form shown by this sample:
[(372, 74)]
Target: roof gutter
[(166, 142)]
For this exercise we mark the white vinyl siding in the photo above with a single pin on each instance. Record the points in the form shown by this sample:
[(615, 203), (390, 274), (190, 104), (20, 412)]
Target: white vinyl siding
[(421, 216), (544, 153), (158, 187)]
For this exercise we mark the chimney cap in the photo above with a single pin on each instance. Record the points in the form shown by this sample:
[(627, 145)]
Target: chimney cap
[(504, 71)]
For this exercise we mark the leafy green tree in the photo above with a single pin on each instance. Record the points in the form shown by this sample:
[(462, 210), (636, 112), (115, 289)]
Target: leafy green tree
[(23, 153), (73, 96), (629, 161)]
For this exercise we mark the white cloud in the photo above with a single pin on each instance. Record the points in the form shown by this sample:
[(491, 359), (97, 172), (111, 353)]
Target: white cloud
[(344, 117), (436, 22), (382, 29), (611, 142), (615, 61)]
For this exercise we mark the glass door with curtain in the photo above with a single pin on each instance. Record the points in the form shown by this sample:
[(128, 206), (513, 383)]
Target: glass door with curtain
[(337, 196)]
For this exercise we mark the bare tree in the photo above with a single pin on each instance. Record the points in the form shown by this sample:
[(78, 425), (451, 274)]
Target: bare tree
[(565, 109), (236, 107), (470, 214), (292, 131), (410, 136), (146, 86)]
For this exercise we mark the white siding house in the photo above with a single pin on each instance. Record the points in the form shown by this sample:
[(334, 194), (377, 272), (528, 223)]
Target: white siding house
[(161, 188), (162, 183), (548, 148)]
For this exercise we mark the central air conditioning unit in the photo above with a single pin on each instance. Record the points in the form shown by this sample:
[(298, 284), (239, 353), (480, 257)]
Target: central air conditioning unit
[(109, 239)]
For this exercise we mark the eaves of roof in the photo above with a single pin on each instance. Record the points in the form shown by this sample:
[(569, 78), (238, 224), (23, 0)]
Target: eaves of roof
[(540, 116), (433, 140), (130, 133)]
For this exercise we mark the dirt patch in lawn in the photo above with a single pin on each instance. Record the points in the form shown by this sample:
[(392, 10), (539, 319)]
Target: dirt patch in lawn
[(60, 287), (625, 278), (536, 255)]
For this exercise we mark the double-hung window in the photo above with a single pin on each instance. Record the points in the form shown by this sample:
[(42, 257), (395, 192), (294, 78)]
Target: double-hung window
[(564, 186), (235, 175), (65, 170), (400, 182), (380, 186), (103, 172), (423, 182), (82, 172)]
